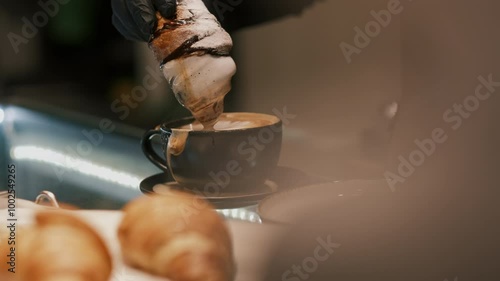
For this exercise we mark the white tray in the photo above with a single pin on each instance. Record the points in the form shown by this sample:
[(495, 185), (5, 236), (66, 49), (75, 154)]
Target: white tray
[(252, 242)]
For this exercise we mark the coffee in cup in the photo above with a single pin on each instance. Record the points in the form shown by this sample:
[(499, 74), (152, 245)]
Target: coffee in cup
[(239, 152)]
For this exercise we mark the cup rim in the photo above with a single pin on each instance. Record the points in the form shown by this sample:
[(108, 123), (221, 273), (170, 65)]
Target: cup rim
[(170, 125)]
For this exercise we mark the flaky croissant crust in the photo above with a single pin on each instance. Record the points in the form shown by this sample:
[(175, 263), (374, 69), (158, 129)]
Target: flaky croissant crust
[(178, 237)]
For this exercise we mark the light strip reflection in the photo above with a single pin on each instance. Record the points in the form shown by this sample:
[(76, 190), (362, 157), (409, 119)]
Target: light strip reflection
[(241, 214), (2, 115), (68, 162)]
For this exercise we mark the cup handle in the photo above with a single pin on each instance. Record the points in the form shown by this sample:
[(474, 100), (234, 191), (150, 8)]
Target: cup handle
[(147, 149)]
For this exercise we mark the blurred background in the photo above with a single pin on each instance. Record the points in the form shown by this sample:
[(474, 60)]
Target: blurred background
[(75, 70), (72, 113)]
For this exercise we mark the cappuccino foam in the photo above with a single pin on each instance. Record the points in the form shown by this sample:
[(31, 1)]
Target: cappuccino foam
[(235, 121)]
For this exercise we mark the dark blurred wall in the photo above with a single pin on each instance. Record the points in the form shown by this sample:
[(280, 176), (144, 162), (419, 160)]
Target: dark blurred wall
[(78, 44), (76, 60), (63, 54)]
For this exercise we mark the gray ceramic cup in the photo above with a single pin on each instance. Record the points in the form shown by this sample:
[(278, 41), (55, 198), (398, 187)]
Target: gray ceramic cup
[(211, 161)]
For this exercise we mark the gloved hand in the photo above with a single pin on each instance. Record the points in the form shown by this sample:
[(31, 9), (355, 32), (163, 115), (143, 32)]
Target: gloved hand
[(135, 19)]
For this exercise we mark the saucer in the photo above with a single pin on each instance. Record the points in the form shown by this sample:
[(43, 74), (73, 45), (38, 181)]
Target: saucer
[(283, 178)]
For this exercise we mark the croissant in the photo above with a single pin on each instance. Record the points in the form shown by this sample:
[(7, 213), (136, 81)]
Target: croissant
[(59, 247), (193, 51), (176, 236)]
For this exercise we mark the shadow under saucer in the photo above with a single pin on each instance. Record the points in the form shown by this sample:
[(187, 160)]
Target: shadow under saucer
[(283, 178)]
